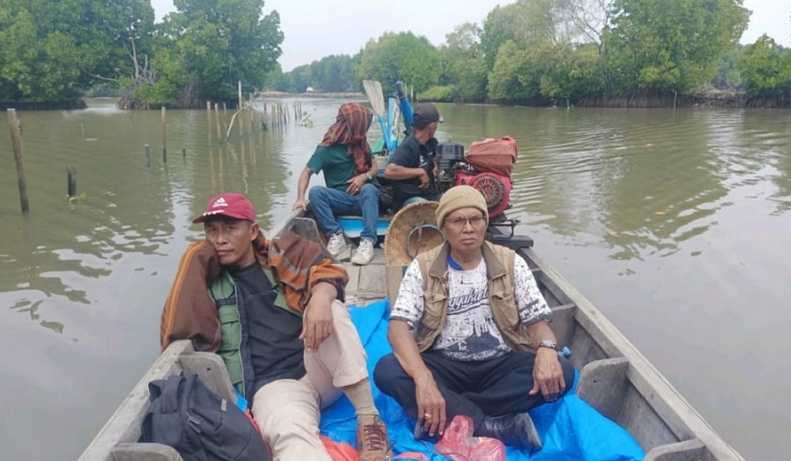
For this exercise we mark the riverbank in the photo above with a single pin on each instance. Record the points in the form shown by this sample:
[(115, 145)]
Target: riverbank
[(721, 99), (311, 94), (45, 105)]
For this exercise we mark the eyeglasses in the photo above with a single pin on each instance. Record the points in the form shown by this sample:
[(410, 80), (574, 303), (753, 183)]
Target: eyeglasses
[(459, 222)]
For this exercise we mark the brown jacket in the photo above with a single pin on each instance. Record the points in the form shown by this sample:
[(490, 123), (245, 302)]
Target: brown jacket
[(499, 268), (190, 313)]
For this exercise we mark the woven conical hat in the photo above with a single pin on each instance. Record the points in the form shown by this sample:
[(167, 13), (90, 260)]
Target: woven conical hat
[(413, 230)]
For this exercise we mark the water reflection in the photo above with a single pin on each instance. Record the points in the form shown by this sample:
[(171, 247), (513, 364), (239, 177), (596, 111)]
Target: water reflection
[(125, 208)]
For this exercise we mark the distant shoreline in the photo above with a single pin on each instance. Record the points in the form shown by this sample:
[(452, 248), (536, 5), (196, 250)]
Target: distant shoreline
[(312, 94), (709, 98), (721, 99)]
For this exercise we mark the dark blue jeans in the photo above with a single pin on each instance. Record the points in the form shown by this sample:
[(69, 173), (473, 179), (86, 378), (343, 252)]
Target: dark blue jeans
[(328, 203)]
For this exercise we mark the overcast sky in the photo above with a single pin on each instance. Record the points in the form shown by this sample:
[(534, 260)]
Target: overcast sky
[(317, 28)]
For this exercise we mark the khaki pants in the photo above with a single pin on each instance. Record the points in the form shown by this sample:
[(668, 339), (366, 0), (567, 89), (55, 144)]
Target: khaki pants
[(288, 410)]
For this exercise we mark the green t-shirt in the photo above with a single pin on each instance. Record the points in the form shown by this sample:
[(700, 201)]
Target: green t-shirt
[(336, 163)]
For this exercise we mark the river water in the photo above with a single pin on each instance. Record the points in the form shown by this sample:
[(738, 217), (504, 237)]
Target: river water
[(676, 224)]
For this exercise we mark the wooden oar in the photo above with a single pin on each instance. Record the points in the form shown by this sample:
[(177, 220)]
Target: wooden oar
[(373, 89)]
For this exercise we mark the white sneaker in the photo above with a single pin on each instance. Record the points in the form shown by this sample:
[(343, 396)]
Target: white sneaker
[(337, 246), (364, 253)]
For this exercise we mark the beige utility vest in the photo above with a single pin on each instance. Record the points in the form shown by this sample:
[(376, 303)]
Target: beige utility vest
[(499, 272)]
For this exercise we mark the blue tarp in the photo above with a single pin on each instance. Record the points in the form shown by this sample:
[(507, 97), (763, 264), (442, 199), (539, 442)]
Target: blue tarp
[(570, 428)]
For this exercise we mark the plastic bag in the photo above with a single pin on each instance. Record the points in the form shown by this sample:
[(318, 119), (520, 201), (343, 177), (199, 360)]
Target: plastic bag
[(458, 443)]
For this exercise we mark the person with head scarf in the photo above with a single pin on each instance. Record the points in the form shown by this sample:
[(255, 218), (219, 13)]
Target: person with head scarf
[(345, 158)]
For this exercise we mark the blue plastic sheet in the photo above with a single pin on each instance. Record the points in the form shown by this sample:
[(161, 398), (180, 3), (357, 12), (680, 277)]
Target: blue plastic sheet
[(570, 428)]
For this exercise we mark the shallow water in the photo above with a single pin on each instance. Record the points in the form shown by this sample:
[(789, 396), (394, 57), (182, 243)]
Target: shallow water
[(676, 224)]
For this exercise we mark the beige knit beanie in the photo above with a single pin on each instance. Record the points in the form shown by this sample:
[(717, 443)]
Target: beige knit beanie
[(458, 197)]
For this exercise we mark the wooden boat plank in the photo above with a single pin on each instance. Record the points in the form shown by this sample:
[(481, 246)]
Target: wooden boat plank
[(689, 450), (124, 425), (563, 323), (146, 451), (603, 384), (372, 284)]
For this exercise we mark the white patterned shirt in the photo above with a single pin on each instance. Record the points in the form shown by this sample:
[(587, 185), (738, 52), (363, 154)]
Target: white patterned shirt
[(470, 333)]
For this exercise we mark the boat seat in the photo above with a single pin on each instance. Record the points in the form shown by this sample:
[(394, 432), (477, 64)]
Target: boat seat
[(353, 226), (603, 384)]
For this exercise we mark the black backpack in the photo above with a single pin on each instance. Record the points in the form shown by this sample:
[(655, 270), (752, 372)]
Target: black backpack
[(199, 424)]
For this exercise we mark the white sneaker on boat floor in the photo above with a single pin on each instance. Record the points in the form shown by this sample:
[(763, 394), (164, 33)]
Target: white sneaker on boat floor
[(364, 253), (337, 246)]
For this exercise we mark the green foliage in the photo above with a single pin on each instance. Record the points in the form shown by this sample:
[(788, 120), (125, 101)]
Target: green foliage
[(438, 93), (50, 51), (402, 56), (525, 22), (670, 45), (728, 76), (547, 72), (206, 46), (334, 73), (514, 77), (463, 63), (765, 68), (571, 73)]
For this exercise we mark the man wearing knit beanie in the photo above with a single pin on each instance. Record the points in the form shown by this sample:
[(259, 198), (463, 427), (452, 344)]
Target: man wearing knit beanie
[(460, 197), (470, 334)]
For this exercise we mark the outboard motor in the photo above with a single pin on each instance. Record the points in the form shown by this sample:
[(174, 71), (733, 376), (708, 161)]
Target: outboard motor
[(486, 167), (450, 159)]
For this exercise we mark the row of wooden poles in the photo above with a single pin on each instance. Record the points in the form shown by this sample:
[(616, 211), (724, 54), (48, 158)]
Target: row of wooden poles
[(220, 125), (272, 115)]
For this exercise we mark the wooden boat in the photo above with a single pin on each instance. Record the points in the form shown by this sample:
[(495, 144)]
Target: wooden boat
[(616, 378)]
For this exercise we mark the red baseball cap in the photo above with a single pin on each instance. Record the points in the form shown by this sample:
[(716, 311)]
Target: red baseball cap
[(231, 204)]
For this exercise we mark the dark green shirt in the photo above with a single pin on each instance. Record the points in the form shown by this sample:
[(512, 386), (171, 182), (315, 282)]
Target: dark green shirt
[(336, 163)]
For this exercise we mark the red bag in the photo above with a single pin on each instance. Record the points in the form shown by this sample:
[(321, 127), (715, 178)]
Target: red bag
[(339, 451), (495, 155), (458, 444)]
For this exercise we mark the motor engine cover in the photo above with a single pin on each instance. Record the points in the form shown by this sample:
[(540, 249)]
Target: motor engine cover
[(495, 188)]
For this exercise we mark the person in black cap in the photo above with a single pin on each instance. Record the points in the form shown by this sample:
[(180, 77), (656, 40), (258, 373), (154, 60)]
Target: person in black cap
[(411, 169)]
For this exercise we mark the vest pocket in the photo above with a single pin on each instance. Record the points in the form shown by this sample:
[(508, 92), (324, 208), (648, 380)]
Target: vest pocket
[(230, 328), (230, 342), (505, 307)]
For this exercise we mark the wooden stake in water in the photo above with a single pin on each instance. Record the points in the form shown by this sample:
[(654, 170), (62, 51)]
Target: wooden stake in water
[(240, 95), (71, 181), (208, 119), (164, 124), (183, 153), (16, 143), (224, 117), (217, 119), (148, 155)]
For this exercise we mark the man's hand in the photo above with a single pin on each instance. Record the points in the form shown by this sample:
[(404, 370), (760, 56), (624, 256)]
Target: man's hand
[(356, 183), (430, 404), (424, 179), (317, 321), (547, 375), (299, 204)]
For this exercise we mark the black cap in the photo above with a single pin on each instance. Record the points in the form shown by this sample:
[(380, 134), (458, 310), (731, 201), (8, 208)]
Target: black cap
[(425, 113)]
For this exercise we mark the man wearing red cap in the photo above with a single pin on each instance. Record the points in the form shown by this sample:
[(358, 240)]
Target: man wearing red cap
[(272, 311)]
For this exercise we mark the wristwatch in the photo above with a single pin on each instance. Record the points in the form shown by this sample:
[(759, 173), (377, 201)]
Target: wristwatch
[(369, 176), (548, 344)]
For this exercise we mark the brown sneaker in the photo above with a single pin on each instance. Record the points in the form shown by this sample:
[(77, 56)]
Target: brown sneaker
[(372, 439)]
